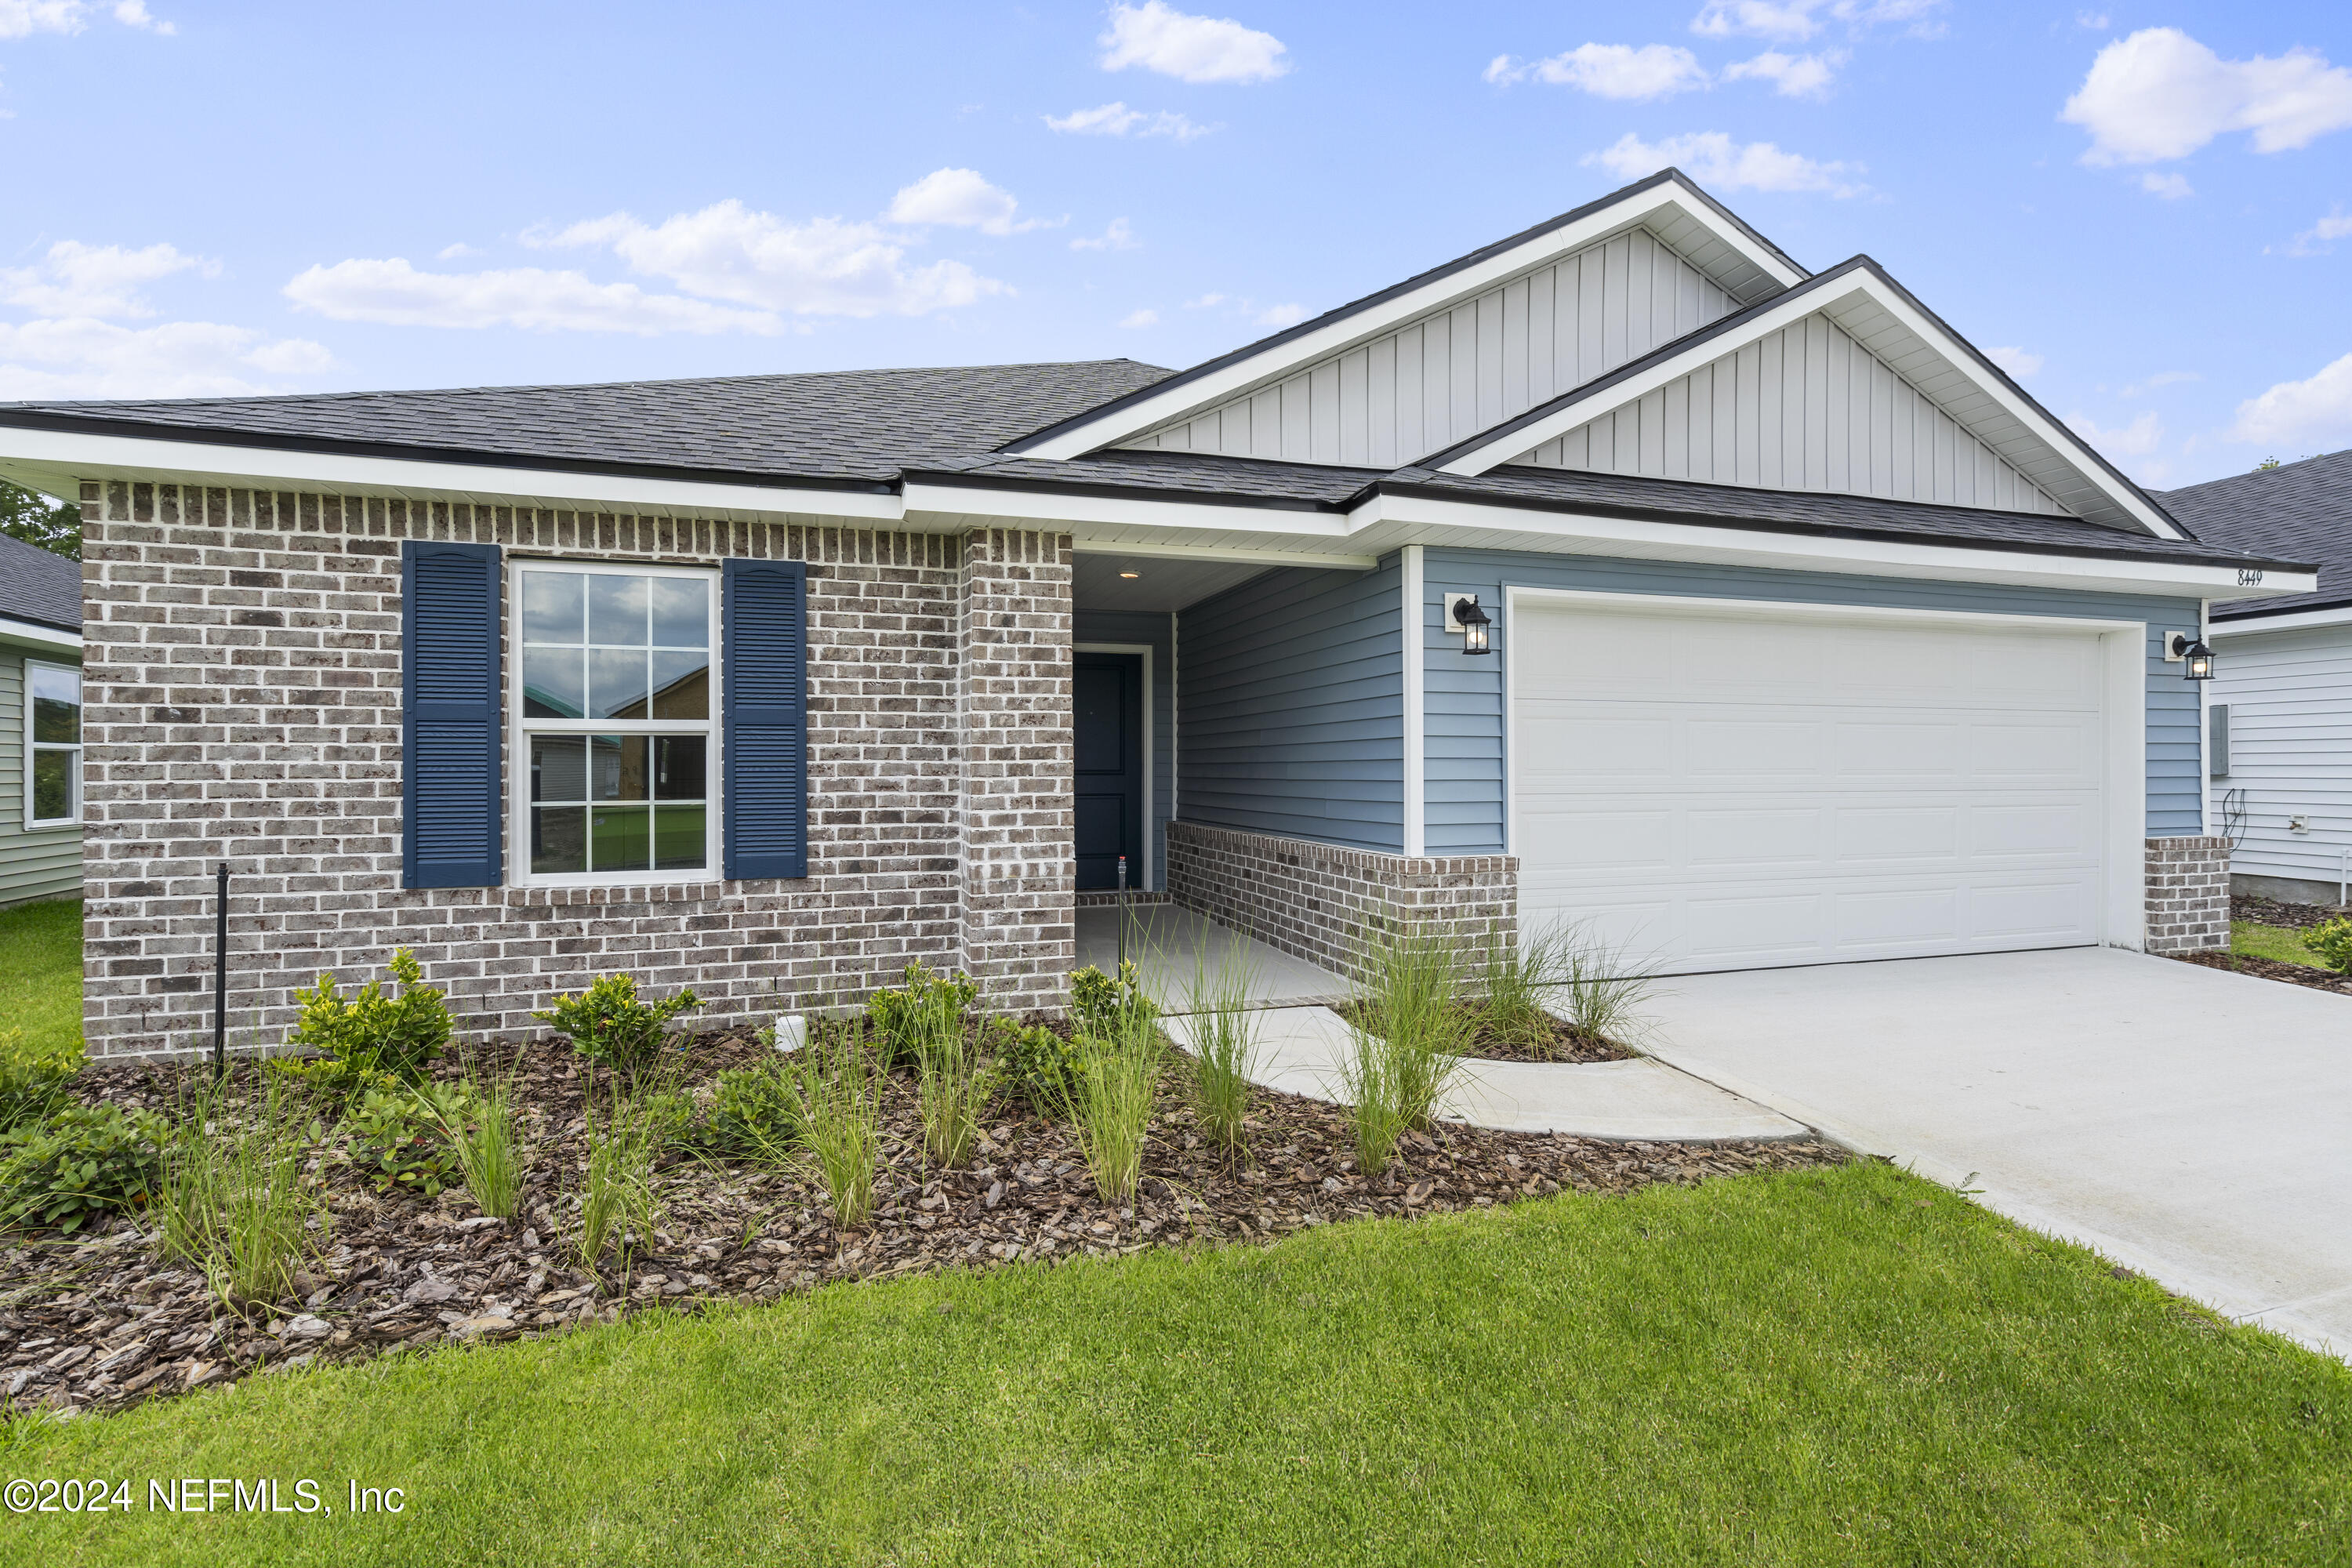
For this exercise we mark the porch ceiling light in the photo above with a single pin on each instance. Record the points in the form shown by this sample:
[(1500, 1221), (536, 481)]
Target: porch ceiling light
[(1474, 623), (2194, 655)]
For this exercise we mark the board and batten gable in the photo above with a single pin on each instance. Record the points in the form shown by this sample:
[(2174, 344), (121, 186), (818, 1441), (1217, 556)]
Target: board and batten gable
[(1448, 375), (1804, 408), (44, 863), (1151, 629), (1290, 707), (1463, 726), (2289, 700)]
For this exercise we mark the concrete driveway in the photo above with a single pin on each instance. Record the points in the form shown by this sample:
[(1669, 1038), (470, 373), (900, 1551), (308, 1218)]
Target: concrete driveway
[(2192, 1124)]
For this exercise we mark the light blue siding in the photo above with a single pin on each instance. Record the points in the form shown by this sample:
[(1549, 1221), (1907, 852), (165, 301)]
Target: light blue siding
[(1291, 708), (1464, 762), (1146, 629)]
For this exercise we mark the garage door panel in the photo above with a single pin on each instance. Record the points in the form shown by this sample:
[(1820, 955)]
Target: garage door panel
[(1723, 793)]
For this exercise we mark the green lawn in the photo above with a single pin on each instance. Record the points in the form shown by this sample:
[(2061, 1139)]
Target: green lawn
[(40, 969), (1840, 1367), (2250, 939)]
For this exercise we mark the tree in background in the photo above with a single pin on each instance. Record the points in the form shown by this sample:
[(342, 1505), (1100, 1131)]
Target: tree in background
[(36, 519)]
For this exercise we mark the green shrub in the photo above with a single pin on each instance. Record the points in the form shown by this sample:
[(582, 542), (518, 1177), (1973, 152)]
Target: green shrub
[(330, 1078), (375, 1032), (32, 1077), (1107, 1007), (751, 1115), (2331, 943), (479, 1124), (901, 1021), (1034, 1061), (79, 1163), (611, 1027), (397, 1137)]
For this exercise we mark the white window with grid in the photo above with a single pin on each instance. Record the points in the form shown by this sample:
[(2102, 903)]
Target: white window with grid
[(52, 744)]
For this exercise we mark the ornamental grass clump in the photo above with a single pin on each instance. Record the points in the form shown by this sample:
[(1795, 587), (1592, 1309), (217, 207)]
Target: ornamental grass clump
[(611, 1027), (618, 1206), (953, 1082), (1406, 1035), (1224, 1046), (479, 1124), (1516, 979), (1604, 989), (837, 1094), (237, 1205), (903, 1020), (1107, 1100)]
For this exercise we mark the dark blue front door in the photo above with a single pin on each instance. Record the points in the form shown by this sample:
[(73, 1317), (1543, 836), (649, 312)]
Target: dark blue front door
[(1106, 695)]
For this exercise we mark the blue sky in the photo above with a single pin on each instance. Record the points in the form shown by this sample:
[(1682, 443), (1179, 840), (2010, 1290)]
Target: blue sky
[(2150, 210)]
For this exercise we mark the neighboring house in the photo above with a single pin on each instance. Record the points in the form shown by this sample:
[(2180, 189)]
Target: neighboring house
[(40, 724), (1810, 638), (2281, 715)]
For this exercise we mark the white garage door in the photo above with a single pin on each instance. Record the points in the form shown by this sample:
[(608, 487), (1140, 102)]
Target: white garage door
[(1735, 791)]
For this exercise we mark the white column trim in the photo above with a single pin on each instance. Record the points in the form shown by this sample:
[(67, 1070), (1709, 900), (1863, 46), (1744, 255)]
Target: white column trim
[(1416, 659)]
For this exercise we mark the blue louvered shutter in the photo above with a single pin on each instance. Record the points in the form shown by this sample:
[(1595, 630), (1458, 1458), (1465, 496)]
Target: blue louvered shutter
[(764, 633), (449, 716)]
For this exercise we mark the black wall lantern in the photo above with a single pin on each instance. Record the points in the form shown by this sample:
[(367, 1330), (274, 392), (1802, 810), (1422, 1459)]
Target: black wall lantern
[(2192, 652), (1463, 614)]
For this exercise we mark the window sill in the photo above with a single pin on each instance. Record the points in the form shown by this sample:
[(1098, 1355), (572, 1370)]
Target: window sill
[(559, 896)]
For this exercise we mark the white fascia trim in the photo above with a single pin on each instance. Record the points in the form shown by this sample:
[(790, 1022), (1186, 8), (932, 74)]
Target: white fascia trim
[(1180, 402), (947, 505), (1863, 283), (13, 630), (2293, 621), (1805, 552), (1312, 560), (95, 457)]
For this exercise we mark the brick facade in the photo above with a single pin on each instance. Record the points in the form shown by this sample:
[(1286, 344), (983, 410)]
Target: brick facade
[(242, 683), (1312, 900), (2188, 894)]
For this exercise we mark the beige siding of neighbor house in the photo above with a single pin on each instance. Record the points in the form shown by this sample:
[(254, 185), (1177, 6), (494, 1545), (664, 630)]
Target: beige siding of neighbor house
[(43, 865), (1804, 408), (1448, 375)]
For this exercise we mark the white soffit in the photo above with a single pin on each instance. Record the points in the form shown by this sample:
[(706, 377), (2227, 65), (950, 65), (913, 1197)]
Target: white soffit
[(1876, 314), (1702, 236)]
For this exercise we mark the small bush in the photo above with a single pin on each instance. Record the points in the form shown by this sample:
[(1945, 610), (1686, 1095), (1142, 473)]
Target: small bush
[(397, 1139), (2330, 941), (1032, 1061), (901, 1021), (81, 1162), (1109, 1007), (375, 1032), (751, 1115), (330, 1080), (33, 1078), (836, 1096), (609, 1026)]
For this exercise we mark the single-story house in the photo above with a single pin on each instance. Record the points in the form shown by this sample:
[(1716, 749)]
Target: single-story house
[(40, 724), (1622, 571), (2279, 750)]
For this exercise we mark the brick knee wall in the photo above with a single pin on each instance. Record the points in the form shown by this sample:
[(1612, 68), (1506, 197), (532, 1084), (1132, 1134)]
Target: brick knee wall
[(1311, 901), (2188, 894)]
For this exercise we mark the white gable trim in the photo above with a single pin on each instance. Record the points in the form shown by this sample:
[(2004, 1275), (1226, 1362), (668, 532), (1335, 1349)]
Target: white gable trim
[(1664, 207), (1864, 292)]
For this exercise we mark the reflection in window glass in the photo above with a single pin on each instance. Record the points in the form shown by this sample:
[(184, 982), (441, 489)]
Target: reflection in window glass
[(554, 607), (681, 684), (616, 610)]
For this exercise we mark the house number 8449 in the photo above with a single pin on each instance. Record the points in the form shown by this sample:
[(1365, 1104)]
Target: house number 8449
[(2249, 576)]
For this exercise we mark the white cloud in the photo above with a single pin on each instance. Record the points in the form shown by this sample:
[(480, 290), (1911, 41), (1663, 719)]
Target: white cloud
[(1712, 158), (23, 18), (1608, 70), (1188, 47), (1280, 316), (95, 281), (2017, 361), (1796, 20), (2136, 439), (2320, 237), (825, 267), (2315, 414), (81, 357), (392, 292), (2160, 94), (959, 198), (1792, 76), (1117, 237), (457, 251), (2094, 20), (1205, 302), (2172, 187), (1117, 119), (1140, 318), (2161, 378)]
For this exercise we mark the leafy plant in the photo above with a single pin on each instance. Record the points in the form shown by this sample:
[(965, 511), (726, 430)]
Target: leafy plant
[(327, 1079), (1406, 1037), (375, 1032), (238, 1204), (752, 1115), (2330, 941), (397, 1137), (1224, 1046), (1109, 1006), (1108, 1100), (611, 1027), (836, 1095), (480, 1125), (1032, 1060), (618, 1207), (82, 1161), (33, 1076), (902, 1020)]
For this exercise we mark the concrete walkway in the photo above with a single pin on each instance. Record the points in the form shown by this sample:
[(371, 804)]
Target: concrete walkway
[(1170, 945), (1299, 1051), (2192, 1124)]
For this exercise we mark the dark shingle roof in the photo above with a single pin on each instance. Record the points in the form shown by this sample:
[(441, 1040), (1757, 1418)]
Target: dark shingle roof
[(857, 427), (39, 585), (2302, 510)]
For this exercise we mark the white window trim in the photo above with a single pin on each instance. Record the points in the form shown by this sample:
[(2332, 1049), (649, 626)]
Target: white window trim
[(45, 823), (1151, 717), (520, 730)]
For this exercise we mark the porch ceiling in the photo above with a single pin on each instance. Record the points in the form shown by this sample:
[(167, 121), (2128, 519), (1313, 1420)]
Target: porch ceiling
[(1160, 583)]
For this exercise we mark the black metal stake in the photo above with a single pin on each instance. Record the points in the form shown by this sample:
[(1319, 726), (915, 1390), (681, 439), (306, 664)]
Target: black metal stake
[(1122, 913), (220, 973)]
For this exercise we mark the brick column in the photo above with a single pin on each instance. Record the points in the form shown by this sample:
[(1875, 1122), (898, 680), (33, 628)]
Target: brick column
[(2188, 894), (1019, 875)]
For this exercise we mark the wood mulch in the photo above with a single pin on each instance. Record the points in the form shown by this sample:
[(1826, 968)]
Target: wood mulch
[(1567, 1043), (95, 1323), (2270, 969), (2271, 913)]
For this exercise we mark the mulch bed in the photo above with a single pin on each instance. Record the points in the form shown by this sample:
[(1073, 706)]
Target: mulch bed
[(2271, 969), (1568, 1044), (2271, 913), (95, 1323)]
